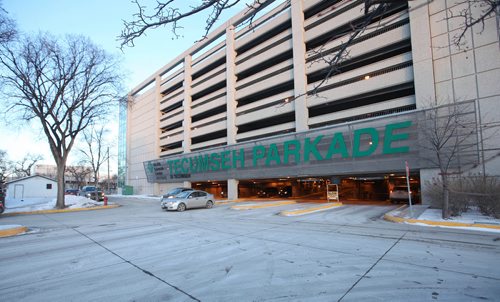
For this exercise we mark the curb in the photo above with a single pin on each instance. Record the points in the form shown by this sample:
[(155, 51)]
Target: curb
[(222, 202), (311, 210), (263, 205), (13, 231), (62, 210), (397, 219)]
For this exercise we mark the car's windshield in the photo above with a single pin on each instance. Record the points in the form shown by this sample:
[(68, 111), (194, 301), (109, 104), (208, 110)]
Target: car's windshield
[(183, 194), (174, 191)]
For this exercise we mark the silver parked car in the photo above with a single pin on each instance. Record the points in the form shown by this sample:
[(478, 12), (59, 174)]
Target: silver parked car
[(173, 192), (188, 200)]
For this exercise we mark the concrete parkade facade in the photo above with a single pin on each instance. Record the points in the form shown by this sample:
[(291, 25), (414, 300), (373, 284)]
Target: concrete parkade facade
[(234, 110)]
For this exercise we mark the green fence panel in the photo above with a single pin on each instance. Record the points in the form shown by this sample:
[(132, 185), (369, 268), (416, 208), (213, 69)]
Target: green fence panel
[(128, 190)]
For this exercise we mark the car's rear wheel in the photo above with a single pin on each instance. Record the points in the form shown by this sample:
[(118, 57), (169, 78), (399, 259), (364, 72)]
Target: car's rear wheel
[(181, 207), (210, 204)]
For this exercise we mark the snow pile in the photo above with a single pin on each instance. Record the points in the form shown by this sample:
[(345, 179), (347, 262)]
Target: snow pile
[(145, 197), (9, 226), (74, 202), (39, 204)]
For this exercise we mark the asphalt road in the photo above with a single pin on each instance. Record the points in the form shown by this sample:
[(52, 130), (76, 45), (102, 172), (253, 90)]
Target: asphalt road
[(139, 253)]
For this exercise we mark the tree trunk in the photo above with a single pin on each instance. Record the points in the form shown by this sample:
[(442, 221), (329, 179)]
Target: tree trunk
[(96, 180), (446, 198), (60, 185)]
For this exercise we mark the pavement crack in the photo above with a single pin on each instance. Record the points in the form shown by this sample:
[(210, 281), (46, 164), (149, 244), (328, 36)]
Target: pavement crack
[(148, 273), (371, 267), (136, 266)]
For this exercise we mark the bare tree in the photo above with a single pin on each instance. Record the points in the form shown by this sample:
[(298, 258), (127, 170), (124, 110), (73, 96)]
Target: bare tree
[(111, 183), (448, 140), (8, 30), (334, 58), (168, 13), (63, 84), (24, 166), (472, 13), (5, 166), (96, 151), (80, 173)]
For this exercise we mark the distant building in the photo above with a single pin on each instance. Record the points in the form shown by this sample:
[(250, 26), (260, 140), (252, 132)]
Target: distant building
[(45, 170), (72, 180), (75, 176)]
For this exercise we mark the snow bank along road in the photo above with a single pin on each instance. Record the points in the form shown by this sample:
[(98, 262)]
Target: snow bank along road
[(138, 252)]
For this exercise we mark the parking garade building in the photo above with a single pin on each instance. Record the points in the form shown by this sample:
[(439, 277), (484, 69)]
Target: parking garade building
[(260, 111)]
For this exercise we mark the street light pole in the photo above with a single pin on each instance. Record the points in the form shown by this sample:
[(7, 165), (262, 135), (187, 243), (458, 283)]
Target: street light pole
[(108, 169)]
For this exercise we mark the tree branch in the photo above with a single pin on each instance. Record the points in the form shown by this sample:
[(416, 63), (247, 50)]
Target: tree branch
[(167, 13)]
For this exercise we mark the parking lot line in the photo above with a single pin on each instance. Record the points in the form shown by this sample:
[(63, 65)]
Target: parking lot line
[(311, 209), (263, 205)]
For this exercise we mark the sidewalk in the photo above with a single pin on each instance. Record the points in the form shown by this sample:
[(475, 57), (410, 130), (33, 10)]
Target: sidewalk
[(423, 215)]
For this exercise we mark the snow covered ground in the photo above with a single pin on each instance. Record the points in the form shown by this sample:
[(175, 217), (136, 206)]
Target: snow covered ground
[(472, 216), (38, 204), (9, 226), (145, 197)]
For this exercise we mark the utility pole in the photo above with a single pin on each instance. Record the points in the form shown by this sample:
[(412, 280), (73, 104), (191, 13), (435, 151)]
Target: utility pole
[(108, 169)]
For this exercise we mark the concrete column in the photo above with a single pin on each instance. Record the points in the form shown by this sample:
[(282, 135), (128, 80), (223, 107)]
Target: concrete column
[(423, 70), (186, 184), (128, 162), (232, 184), (156, 186), (231, 86), (186, 105), (299, 66), (232, 189)]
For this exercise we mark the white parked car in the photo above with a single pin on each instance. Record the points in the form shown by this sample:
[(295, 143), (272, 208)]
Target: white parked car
[(188, 200), (400, 194)]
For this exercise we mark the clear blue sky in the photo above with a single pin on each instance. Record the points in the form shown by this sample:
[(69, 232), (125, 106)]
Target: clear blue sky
[(102, 21)]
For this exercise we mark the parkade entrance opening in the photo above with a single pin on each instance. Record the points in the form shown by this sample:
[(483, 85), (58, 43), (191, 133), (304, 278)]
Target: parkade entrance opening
[(374, 188)]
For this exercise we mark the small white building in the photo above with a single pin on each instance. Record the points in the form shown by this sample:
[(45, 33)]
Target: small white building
[(35, 186)]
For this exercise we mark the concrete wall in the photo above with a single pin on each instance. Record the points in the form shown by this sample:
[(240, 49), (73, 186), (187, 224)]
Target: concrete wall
[(141, 139), (448, 72), (470, 71)]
